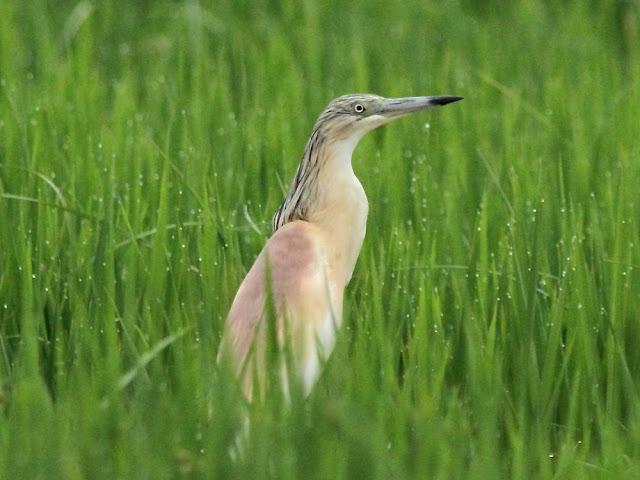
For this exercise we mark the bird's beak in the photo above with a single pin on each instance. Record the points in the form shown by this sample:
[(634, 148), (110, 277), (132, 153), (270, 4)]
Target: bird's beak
[(397, 107)]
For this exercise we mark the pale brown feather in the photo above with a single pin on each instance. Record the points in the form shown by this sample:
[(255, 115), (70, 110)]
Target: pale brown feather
[(302, 293)]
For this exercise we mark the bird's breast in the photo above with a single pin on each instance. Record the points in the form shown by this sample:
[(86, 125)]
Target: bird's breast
[(342, 218)]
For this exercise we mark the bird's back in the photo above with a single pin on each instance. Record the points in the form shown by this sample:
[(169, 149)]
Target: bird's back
[(304, 297)]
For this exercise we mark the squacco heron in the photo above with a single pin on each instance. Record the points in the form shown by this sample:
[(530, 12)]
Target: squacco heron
[(308, 261)]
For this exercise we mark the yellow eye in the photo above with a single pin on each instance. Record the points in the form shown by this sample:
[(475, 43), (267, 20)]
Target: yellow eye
[(358, 108)]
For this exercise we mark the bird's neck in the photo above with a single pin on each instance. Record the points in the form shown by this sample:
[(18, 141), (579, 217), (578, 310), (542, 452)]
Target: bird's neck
[(340, 211)]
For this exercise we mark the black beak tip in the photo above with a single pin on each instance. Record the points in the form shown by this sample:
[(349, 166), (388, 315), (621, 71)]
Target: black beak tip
[(445, 100)]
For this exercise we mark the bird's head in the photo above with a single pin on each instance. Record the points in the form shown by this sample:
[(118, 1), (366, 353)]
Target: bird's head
[(349, 117)]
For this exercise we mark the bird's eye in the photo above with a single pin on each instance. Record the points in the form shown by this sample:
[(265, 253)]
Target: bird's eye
[(358, 108)]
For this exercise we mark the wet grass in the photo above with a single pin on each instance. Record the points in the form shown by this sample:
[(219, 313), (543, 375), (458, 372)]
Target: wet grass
[(492, 324)]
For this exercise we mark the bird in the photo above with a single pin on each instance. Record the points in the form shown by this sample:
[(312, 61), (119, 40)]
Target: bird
[(299, 278)]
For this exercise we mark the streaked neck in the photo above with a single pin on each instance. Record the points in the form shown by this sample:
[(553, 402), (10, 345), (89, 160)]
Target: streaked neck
[(326, 192)]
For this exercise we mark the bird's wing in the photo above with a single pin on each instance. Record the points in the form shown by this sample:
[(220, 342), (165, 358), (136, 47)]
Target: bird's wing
[(297, 269)]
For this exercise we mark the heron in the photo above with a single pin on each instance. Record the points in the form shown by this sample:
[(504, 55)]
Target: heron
[(308, 261)]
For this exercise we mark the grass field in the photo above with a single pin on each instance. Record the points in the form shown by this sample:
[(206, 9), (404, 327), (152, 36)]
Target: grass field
[(492, 326)]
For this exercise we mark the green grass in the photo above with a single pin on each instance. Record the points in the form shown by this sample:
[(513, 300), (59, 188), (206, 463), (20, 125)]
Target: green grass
[(492, 325)]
